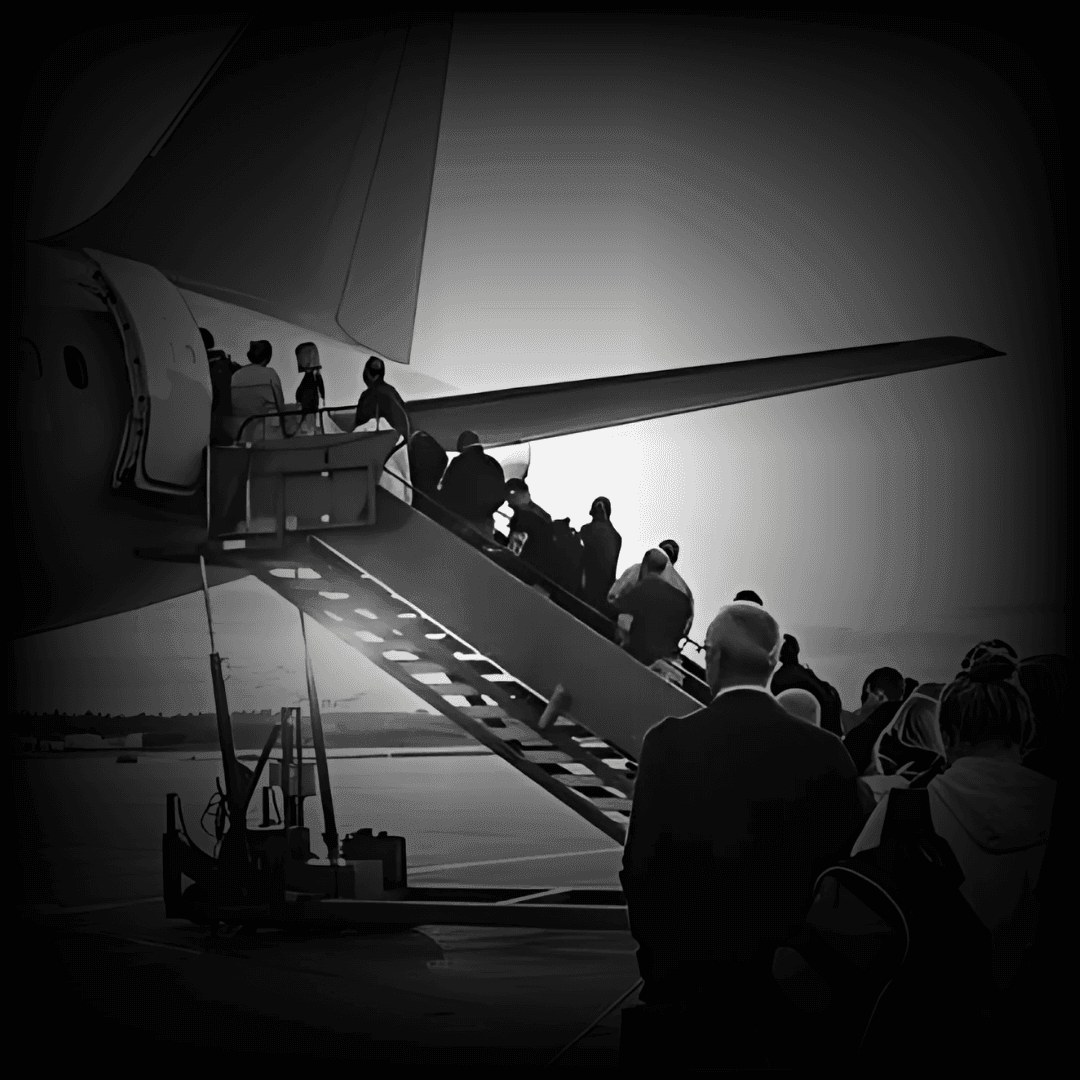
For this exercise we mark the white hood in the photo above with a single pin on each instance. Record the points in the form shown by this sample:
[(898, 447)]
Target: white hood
[(1001, 805)]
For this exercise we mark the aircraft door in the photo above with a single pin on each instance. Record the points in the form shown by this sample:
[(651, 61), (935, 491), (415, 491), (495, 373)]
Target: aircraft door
[(169, 425)]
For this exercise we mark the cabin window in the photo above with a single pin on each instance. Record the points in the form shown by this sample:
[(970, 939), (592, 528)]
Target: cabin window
[(75, 364)]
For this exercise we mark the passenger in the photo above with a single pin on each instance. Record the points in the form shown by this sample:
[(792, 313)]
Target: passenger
[(735, 809), (910, 747), (633, 574), (985, 649), (222, 369), (568, 556), (801, 704), (531, 529), (1045, 679), (910, 686), (311, 391), (748, 596), (791, 674), (474, 486), (602, 545), (994, 812), (256, 391), (381, 399), (882, 696), (658, 611)]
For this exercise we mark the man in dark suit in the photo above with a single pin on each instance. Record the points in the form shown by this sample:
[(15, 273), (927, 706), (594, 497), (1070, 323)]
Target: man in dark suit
[(736, 808)]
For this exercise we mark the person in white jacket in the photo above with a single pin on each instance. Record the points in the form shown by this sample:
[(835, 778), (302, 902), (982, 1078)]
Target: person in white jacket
[(994, 812)]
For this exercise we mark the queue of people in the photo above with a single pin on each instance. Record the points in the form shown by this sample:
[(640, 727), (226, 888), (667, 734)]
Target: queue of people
[(740, 810)]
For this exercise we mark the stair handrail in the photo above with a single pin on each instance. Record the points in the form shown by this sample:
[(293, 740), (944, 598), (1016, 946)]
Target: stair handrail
[(608, 626)]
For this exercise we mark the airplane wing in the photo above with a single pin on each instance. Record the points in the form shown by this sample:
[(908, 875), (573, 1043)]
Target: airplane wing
[(298, 183), (522, 414)]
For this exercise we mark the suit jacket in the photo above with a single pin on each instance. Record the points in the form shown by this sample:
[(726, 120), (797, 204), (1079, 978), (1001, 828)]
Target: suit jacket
[(736, 808)]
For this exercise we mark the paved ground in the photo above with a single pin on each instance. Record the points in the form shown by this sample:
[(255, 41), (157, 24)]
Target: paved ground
[(110, 971)]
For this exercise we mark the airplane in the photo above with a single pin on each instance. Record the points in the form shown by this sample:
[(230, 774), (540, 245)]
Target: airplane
[(289, 175)]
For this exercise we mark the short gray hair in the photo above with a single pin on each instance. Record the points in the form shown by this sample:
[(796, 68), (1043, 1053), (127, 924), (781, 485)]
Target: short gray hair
[(801, 704), (745, 639)]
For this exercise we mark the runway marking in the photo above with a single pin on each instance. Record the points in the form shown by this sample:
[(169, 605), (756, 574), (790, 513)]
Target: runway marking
[(513, 859), (56, 909)]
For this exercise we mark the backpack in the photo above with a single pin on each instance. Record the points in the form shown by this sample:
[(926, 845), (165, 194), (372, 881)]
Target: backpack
[(888, 946), (427, 462)]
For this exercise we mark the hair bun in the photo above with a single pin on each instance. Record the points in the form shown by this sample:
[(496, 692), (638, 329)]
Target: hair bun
[(992, 669)]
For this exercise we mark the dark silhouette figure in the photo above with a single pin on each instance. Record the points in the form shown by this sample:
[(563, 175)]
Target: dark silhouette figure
[(735, 808), (882, 696), (602, 545), (474, 485), (532, 527), (311, 390), (659, 612), (791, 675), (381, 399), (222, 369)]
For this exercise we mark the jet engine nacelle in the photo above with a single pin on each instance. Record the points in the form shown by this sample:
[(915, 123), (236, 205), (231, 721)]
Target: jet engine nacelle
[(168, 427)]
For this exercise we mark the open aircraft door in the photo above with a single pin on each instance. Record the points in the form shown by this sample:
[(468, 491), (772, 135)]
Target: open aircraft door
[(169, 425)]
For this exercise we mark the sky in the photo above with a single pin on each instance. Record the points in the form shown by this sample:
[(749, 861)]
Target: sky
[(627, 198)]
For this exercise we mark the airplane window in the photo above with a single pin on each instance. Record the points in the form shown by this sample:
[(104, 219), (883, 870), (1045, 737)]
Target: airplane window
[(75, 363)]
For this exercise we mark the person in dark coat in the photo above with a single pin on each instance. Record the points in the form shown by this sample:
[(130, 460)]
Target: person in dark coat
[(658, 609), (736, 808), (602, 545), (381, 399), (882, 696), (533, 527), (222, 369), (750, 597), (791, 675), (311, 390), (474, 486)]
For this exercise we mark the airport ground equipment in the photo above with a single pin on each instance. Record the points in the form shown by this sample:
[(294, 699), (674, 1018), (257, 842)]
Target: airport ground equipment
[(540, 687)]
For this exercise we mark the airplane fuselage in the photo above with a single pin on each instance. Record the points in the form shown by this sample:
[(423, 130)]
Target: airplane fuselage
[(75, 532)]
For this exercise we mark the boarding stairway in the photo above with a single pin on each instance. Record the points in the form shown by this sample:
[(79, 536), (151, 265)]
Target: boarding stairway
[(549, 694)]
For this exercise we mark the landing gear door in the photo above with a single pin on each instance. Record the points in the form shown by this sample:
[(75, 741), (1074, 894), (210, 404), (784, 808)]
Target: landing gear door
[(171, 395)]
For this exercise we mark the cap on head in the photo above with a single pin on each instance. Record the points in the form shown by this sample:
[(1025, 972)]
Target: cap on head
[(748, 596), (601, 505), (672, 549), (742, 643), (801, 704), (260, 352), (467, 439)]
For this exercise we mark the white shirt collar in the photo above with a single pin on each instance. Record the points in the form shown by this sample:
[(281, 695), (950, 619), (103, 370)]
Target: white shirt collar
[(743, 686)]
